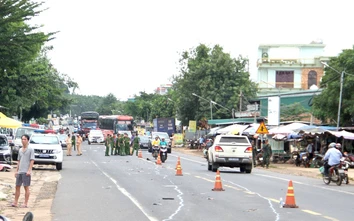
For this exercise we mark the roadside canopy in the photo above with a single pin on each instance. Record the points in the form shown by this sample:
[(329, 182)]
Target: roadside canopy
[(8, 122), (345, 134)]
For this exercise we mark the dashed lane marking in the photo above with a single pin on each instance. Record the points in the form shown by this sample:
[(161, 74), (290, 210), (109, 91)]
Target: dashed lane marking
[(311, 212)]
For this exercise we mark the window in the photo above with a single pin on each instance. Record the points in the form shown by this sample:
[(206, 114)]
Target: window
[(224, 139), (284, 79), (311, 79)]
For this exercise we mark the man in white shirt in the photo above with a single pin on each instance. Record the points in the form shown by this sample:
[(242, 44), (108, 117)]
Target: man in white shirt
[(333, 155)]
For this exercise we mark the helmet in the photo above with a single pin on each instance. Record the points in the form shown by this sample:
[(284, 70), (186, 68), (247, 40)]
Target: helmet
[(338, 145), (331, 145)]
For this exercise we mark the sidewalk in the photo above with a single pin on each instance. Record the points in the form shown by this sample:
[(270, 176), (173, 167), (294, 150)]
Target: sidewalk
[(284, 168), (43, 188)]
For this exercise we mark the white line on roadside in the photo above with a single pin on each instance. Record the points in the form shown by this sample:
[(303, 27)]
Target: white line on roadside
[(126, 193), (195, 161)]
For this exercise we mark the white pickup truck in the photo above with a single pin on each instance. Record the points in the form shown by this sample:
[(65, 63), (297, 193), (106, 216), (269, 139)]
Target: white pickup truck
[(230, 151)]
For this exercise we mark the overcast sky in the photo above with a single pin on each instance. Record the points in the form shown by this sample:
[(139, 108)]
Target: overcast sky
[(126, 46)]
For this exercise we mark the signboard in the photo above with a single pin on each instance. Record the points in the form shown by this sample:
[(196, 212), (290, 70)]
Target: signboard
[(178, 139), (273, 110), (192, 126), (262, 129)]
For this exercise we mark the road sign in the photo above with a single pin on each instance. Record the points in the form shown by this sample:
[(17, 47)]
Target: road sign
[(262, 129)]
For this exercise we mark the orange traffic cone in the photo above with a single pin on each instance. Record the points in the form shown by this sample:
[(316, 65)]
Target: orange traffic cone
[(178, 162), (140, 154), (290, 197), (218, 185), (179, 169), (158, 161)]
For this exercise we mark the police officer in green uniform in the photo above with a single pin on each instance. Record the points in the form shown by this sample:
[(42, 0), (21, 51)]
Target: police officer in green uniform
[(107, 143), (136, 142), (267, 153), (121, 143), (117, 148), (113, 144), (126, 144)]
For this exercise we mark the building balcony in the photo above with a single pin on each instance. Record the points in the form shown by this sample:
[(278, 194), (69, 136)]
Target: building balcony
[(280, 62)]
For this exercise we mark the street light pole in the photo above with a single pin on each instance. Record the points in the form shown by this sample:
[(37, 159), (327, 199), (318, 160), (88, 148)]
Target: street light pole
[(340, 92)]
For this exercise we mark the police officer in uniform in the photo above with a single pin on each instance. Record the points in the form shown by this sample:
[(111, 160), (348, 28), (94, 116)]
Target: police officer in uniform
[(121, 143), (117, 152), (107, 143), (267, 153), (113, 144), (126, 141), (136, 142)]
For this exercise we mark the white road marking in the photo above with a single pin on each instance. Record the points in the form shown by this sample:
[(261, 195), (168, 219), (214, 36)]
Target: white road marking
[(127, 194), (300, 183)]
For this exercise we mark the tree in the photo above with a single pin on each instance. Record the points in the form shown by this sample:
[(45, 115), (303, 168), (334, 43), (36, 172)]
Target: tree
[(325, 105), (213, 75), (20, 47), (292, 112), (107, 105)]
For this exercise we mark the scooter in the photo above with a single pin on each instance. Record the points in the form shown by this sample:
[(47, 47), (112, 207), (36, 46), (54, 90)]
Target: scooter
[(163, 153), (304, 156), (155, 151), (336, 174)]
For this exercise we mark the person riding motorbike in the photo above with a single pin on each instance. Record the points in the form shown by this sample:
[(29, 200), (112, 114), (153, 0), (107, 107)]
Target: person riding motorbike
[(332, 157), (163, 142), (156, 142)]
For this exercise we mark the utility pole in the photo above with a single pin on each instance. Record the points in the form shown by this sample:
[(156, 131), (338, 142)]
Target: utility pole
[(255, 112), (240, 101)]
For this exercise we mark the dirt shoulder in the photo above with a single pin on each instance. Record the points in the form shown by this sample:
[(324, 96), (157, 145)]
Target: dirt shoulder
[(43, 188)]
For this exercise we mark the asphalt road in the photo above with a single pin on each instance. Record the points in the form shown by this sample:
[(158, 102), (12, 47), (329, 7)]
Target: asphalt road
[(95, 187)]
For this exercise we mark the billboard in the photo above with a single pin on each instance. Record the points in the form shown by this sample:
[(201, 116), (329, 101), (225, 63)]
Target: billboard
[(273, 110)]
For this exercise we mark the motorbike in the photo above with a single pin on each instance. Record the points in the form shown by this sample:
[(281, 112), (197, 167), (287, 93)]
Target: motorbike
[(208, 144), (27, 217), (336, 174), (317, 160), (155, 151), (350, 159), (259, 159), (296, 157), (304, 157), (163, 153), (344, 164)]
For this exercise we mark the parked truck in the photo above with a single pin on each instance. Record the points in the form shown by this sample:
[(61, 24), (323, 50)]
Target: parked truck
[(164, 125)]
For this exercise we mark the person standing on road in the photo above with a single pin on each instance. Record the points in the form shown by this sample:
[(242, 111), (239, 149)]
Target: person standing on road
[(117, 152), (126, 144), (79, 141), (136, 142), (267, 153), (113, 144), (254, 153), (107, 143), (24, 170), (122, 146), (310, 150), (73, 141), (68, 145)]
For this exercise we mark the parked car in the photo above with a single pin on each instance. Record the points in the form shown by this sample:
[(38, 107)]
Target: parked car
[(144, 142), (230, 151), (160, 135), (5, 150), (17, 140), (62, 138), (95, 136), (47, 149)]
